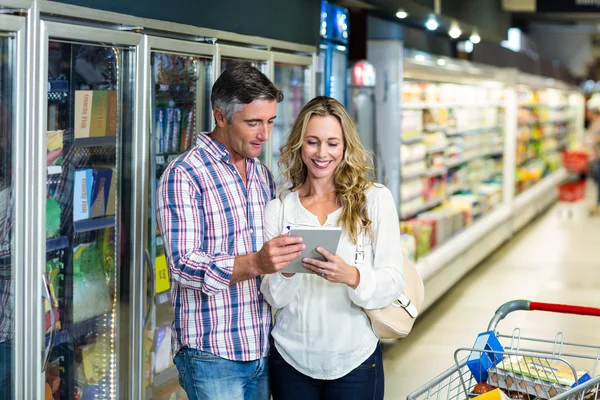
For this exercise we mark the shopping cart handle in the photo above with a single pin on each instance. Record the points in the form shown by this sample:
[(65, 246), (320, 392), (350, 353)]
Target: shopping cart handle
[(528, 305)]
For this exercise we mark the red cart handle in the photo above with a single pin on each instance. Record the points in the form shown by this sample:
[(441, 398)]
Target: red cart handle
[(527, 305)]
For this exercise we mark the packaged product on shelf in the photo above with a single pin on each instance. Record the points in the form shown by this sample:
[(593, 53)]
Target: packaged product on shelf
[(187, 130), (90, 287), (412, 123), (540, 377), (95, 113), (163, 358), (408, 243), (94, 357), (158, 130), (101, 187), (82, 194), (54, 148)]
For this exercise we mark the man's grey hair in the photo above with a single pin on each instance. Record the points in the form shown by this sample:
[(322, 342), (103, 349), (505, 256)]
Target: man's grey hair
[(240, 84)]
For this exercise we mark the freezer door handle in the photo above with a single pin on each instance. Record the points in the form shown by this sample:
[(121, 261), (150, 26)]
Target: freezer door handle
[(47, 295), (148, 262)]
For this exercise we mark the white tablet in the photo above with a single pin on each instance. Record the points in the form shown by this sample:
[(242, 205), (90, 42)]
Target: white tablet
[(328, 238)]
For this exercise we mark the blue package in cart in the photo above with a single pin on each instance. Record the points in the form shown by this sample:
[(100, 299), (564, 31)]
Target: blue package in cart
[(490, 355)]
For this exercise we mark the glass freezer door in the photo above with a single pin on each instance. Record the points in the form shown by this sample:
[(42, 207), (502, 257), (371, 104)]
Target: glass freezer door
[(296, 84), (229, 55), (11, 58), (90, 102), (180, 103)]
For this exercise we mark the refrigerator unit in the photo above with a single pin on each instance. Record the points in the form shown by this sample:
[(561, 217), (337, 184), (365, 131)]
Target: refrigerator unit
[(293, 76), (92, 110), (333, 52), (181, 75)]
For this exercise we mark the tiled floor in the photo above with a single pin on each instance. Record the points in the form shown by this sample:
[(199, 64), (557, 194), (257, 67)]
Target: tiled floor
[(551, 260)]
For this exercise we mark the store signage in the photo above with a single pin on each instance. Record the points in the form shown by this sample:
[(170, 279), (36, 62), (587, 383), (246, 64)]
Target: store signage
[(567, 6)]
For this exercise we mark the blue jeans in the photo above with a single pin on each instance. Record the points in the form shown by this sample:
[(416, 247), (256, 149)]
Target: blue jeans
[(366, 382), (6, 367), (205, 376)]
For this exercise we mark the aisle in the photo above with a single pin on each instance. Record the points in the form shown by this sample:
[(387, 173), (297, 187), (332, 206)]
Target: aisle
[(550, 260)]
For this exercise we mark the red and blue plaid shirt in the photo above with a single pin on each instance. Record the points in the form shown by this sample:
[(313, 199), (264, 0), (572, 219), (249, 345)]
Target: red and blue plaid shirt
[(207, 216)]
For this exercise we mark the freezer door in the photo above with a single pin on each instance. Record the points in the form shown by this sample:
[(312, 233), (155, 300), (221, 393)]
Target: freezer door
[(295, 81), (89, 122), (11, 244), (337, 79), (180, 103)]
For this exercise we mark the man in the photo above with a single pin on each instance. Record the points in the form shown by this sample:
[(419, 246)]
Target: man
[(210, 213)]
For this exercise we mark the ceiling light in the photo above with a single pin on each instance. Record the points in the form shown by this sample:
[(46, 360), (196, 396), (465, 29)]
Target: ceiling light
[(401, 14), (441, 62), (475, 38), (432, 24), (420, 57), (454, 31)]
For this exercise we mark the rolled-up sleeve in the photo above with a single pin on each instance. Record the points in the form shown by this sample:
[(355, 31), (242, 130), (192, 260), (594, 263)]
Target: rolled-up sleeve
[(278, 290), (380, 285), (180, 218)]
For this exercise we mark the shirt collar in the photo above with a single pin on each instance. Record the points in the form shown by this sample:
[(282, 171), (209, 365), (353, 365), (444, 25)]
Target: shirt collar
[(214, 148), (217, 149)]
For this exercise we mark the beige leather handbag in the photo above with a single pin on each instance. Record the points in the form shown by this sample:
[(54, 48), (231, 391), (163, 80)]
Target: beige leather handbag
[(396, 320)]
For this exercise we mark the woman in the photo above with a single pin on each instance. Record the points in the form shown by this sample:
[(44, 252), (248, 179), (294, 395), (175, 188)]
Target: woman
[(324, 347)]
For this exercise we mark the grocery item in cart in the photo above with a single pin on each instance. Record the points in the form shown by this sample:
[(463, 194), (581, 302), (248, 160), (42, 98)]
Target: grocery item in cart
[(491, 354), (540, 377)]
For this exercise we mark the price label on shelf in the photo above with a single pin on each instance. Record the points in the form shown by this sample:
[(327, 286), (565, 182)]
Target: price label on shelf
[(171, 157), (160, 160), (162, 274)]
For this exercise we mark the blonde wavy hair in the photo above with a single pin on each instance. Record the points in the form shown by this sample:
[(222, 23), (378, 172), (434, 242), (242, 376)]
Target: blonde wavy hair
[(352, 177)]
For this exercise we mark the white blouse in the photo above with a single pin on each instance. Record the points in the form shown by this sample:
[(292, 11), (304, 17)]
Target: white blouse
[(320, 327)]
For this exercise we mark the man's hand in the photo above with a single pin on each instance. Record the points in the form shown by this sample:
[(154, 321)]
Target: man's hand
[(277, 253)]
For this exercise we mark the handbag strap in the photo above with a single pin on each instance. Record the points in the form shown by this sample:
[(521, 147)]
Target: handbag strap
[(403, 300)]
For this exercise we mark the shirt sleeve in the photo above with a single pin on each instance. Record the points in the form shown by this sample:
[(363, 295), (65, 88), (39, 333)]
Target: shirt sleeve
[(180, 218), (380, 285), (278, 290)]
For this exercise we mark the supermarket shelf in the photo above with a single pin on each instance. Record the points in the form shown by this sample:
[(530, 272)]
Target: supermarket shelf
[(436, 172), (412, 176), (412, 140), (88, 225), (101, 141), (411, 198), (81, 330), (58, 243), (448, 263), (166, 376), (175, 88), (425, 105), (476, 131), (427, 206), (458, 189), (527, 203), (434, 150), (55, 170), (412, 161)]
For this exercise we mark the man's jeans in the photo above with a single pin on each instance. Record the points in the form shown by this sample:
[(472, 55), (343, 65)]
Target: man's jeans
[(205, 376)]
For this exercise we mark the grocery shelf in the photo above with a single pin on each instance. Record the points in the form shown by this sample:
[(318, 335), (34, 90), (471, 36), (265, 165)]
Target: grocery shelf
[(81, 330), (412, 140), (527, 203), (411, 198), (412, 161), (426, 105), (427, 206), (166, 376), (100, 141), (410, 177), (58, 243), (436, 172), (446, 264), (88, 225), (434, 150), (175, 88)]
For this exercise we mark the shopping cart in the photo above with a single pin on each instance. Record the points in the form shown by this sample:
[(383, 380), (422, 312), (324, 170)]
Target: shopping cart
[(458, 382)]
